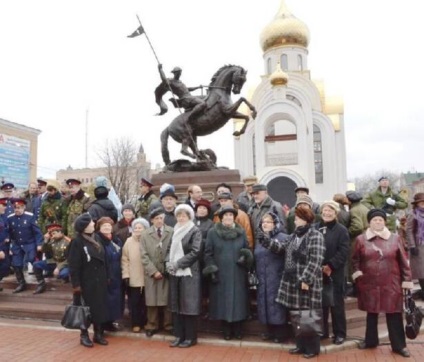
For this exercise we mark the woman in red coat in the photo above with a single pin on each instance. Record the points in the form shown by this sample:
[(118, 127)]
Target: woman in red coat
[(381, 271)]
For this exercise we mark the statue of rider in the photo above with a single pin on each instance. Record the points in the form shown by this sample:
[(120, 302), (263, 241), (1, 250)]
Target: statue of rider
[(185, 100)]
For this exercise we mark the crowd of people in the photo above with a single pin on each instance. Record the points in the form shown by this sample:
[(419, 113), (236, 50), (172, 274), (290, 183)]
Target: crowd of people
[(171, 261)]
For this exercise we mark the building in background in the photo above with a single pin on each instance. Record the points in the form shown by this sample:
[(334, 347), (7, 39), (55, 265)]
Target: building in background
[(18, 153), (297, 138)]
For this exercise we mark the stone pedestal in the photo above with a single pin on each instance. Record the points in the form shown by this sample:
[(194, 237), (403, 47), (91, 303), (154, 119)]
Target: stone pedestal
[(207, 180)]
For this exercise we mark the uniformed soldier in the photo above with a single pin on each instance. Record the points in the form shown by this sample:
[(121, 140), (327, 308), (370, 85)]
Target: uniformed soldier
[(53, 208), (25, 238), (147, 197), (7, 190), (42, 194), (4, 241), (55, 247), (78, 204)]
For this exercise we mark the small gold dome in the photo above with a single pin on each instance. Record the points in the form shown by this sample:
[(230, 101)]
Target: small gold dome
[(278, 77), (285, 29)]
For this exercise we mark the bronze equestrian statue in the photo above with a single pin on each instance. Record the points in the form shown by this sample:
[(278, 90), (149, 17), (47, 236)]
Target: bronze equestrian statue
[(202, 116)]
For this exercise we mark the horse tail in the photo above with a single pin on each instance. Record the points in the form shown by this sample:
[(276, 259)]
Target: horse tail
[(164, 145)]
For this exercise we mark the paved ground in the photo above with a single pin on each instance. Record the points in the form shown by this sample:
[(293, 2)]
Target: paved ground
[(21, 341)]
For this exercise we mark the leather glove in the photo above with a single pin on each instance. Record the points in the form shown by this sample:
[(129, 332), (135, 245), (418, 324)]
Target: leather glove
[(390, 201), (126, 282), (414, 251)]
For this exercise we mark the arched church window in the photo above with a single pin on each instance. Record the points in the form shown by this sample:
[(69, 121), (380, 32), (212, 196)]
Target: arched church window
[(281, 143), (299, 62), (268, 66), (319, 171), (284, 62)]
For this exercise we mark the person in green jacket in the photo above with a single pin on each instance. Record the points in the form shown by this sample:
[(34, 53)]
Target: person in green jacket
[(385, 198)]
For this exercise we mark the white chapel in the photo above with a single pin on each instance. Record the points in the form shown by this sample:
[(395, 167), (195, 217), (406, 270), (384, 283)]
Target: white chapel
[(297, 138)]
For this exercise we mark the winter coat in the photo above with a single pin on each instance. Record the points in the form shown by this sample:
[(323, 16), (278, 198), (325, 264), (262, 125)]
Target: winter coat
[(56, 251), (269, 270), (153, 252), (244, 200), (88, 270), (113, 253), (131, 264), (143, 204), (244, 221), (379, 269), (53, 210), (122, 230), (204, 224), (103, 207), (78, 204), (185, 291), (307, 259), (358, 220), (4, 247), (377, 200), (228, 297), (256, 212), (416, 261), (336, 240)]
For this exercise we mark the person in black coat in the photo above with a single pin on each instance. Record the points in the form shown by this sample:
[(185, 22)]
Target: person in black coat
[(102, 206), (88, 270), (336, 238)]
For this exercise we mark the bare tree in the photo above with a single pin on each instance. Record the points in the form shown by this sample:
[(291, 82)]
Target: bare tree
[(369, 182), (119, 157)]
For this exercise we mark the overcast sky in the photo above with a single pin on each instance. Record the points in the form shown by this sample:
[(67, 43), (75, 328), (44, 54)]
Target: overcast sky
[(60, 58)]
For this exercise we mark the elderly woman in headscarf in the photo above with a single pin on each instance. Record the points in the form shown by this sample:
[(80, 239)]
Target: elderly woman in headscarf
[(380, 271), (226, 243), (133, 275), (269, 270), (183, 266), (113, 253), (301, 283), (336, 239), (87, 266)]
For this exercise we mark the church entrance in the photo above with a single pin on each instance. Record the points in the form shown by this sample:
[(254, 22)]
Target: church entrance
[(281, 189)]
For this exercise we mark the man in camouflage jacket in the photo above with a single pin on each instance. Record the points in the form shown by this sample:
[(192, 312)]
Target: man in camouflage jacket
[(78, 204)]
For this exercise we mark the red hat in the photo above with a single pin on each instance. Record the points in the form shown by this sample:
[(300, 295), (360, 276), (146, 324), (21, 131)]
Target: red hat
[(73, 181), (54, 227), (3, 201), (203, 202), (17, 202)]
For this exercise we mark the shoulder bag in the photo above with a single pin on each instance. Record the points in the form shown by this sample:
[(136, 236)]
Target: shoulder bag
[(77, 316), (413, 316)]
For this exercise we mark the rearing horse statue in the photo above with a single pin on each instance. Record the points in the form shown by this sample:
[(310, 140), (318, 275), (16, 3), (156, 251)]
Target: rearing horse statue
[(219, 109)]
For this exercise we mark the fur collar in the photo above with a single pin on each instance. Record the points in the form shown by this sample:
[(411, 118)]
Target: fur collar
[(385, 234), (228, 233)]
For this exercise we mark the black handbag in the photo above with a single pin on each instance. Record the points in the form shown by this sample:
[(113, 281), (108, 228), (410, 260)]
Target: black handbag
[(77, 316), (413, 316), (307, 322), (327, 292)]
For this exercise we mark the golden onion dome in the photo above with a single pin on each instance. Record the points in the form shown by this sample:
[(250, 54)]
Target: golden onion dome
[(285, 29), (278, 77)]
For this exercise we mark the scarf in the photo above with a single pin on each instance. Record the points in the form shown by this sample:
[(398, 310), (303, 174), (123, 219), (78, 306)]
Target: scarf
[(177, 252), (90, 239), (419, 235)]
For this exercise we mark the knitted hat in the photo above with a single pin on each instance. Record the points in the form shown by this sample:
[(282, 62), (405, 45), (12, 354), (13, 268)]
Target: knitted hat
[(304, 199), (305, 214), (82, 222), (101, 181), (227, 209), (203, 202), (184, 207), (301, 188), (330, 203), (376, 212), (141, 221), (353, 196), (128, 207)]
